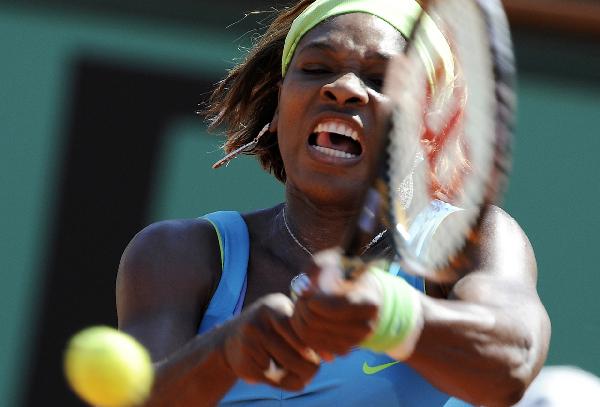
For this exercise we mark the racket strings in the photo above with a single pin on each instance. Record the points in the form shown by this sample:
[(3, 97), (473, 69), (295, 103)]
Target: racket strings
[(446, 150), (453, 121)]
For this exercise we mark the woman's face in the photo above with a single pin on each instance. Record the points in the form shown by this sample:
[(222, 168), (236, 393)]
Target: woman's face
[(329, 104)]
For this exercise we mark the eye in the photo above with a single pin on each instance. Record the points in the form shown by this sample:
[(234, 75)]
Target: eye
[(376, 82), (316, 70)]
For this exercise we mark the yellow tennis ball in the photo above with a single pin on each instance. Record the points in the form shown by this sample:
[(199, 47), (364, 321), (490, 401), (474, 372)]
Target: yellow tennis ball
[(108, 368)]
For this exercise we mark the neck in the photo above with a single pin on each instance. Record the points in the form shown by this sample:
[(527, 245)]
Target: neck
[(317, 226)]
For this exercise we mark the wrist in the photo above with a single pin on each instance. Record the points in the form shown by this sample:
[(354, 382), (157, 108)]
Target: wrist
[(400, 319), (226, 346)]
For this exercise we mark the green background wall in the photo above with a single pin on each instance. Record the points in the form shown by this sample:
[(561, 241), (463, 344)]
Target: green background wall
[(554, 190)]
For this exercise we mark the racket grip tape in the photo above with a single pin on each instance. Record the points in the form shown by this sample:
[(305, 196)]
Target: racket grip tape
[(400, 319)]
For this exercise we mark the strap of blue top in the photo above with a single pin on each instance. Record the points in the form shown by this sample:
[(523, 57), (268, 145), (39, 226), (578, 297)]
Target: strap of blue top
[(235, 248), (416, 282)]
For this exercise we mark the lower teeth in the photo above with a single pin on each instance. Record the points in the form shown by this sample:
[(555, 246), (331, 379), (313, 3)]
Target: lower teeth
[(334, 153)]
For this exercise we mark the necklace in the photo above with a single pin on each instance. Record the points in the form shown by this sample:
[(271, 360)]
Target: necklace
[(367, 247)]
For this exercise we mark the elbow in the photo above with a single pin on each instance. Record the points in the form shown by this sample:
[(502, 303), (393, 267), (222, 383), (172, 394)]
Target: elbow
[(513, 393), (504, 392), (507, 390), (523, 362), (516, 382), (520, 372), (521, 365)]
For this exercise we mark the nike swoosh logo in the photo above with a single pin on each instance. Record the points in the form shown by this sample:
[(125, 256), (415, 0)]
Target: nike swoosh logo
[(376, 369)]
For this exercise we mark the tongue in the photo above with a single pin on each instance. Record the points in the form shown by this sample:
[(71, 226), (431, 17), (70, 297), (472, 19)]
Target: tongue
[(337, 142)]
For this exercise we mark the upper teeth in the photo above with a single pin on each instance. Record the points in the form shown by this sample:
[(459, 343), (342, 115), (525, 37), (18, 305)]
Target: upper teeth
[(338, 128)]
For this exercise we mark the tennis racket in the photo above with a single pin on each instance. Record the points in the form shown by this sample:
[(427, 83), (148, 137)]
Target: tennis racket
[(445, 144), (447, 140)]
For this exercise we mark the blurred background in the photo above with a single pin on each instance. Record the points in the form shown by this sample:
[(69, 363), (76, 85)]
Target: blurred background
[(99, 137)]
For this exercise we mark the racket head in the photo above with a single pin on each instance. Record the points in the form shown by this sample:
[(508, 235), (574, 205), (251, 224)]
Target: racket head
[(451, 134)]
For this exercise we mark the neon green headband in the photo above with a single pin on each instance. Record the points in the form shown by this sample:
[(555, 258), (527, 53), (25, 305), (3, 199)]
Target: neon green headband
[(401, 14)]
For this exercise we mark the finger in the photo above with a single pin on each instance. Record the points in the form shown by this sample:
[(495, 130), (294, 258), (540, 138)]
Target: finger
[(274, 372), (292, 382), (285, 329), (339, 308), (277, 304), (279, 322), (261, 367), (276, 326), (252, 369), (334, 337), (327, 274), (341, 345), (252, 375), (293, 362), (259, 357), (312, 315), (299, 325), (312, 330), (293, 359)]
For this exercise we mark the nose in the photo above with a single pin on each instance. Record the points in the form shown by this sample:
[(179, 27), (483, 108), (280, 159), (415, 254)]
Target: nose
[(346, 89)]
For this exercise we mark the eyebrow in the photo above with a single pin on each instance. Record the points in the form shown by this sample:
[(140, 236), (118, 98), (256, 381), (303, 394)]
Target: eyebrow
[(322, 45)]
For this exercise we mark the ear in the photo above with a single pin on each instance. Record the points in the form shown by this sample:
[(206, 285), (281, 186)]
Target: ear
[(275, 119)]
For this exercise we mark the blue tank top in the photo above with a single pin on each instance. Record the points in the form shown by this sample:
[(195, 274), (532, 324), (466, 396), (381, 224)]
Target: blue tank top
[(361, 378)]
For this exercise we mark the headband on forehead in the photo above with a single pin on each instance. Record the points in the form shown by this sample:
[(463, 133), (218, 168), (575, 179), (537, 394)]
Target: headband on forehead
[(401, 14)]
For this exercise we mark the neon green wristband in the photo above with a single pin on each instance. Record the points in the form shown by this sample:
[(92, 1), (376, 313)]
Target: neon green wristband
[(400, 320)]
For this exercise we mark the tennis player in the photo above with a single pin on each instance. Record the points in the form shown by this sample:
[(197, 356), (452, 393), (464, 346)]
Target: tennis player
[(209, 297)]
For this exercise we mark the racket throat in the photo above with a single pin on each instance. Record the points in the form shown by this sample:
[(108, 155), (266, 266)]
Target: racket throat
[(369, 220)]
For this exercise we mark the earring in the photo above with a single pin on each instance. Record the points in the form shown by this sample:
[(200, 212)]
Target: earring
[(243, 149)]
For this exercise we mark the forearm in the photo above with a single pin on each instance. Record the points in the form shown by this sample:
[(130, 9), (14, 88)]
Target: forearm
[(482, 354), (195, 375), (489, 339)]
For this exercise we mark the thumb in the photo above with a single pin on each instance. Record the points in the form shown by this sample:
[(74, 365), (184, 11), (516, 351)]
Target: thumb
[(329, 275)]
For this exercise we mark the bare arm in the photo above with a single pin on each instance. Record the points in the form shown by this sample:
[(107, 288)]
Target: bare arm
[(162, 287), (166, 279), (488, 341), (484, 344)]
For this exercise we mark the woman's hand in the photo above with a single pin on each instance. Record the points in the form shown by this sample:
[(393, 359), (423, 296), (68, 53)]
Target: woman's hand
[(335, 314), (261, 336)]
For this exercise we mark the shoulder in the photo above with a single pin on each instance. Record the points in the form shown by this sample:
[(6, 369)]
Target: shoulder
[(501, 258), (496, 219), (505, 248), (173, 244), (169, 261), (498, 235), (500, 253)]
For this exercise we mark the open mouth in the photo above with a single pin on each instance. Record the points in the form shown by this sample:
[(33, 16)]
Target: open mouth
[(336, 139)]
